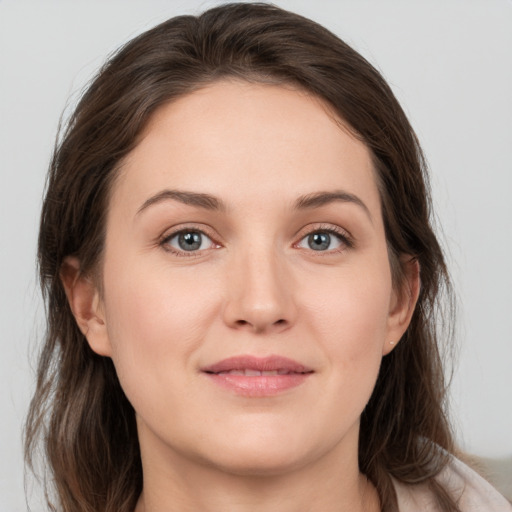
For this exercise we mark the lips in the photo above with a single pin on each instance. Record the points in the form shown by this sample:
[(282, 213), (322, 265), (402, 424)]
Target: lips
[(254, 376), (254, 373)]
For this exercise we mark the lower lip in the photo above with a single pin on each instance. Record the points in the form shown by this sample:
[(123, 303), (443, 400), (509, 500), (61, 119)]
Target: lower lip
[(263, 385)]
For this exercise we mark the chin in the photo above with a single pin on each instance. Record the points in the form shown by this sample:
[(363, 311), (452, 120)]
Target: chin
[(261, 464), (260, 455)]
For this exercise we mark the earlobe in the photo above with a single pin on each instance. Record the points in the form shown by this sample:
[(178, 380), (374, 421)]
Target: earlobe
[(86, 305), (403, 303)]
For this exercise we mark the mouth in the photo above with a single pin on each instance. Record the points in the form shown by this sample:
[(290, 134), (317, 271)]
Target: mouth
[(255, 373), (257, 377)]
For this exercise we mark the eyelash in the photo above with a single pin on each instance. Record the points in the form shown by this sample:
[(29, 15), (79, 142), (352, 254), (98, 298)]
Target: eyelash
[(342, 235), (164, 242)]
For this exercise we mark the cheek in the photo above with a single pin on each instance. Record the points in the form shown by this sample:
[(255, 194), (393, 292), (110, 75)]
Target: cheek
[(156, 322), (353, 305), (350, 320)]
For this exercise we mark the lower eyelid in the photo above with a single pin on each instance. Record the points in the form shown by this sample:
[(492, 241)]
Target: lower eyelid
[(166, 239), (302, 244), (342, 236)]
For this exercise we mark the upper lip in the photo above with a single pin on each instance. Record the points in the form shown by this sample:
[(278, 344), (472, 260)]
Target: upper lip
[(262, 364)]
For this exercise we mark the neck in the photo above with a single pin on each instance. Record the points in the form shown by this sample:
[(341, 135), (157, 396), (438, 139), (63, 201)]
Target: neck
[(332, 483)]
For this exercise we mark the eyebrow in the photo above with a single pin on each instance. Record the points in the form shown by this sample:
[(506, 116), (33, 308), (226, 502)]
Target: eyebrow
[(209, 202), (319, 199), (198, 199)]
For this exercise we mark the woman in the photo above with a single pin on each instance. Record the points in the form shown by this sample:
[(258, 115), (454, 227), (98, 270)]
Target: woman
[(242, 283)]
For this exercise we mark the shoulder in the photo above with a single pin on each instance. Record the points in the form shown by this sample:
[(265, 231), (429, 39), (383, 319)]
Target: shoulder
[(470, 490)]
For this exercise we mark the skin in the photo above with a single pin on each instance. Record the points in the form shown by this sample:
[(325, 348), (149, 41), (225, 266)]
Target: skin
[(255, 287)]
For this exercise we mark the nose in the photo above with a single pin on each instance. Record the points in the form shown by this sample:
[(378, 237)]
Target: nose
[(260, 293)]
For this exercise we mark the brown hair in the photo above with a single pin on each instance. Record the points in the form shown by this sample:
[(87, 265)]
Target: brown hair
[(79, 410)]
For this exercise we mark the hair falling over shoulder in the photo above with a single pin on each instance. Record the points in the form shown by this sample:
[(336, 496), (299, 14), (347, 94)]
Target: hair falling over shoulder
[(79, 418)]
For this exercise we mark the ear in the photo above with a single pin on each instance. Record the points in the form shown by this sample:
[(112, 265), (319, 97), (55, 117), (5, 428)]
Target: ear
[(403, 303), (86, 304)]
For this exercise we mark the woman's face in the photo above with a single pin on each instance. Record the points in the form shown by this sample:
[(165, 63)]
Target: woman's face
[(244, 236)]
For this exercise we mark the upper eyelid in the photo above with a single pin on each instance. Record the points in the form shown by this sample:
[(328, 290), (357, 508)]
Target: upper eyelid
[(342, 234), (304, 231), (326, 227), (298, 237), (174, 234), (183, 228), (163, 242)]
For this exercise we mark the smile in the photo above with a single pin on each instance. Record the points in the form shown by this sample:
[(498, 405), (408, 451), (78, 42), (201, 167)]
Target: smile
[(257, 377), (255, 373)]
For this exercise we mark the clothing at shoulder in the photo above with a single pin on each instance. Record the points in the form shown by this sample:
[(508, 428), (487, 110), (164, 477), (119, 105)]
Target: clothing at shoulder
[(470, 490)]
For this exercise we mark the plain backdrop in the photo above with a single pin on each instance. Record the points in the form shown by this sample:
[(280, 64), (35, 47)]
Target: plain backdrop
[(449, 63)]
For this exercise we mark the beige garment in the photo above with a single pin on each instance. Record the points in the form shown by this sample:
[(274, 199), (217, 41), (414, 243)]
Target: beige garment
[(474, 494)]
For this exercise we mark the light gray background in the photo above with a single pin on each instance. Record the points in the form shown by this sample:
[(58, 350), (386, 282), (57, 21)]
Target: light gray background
[(449, 63)]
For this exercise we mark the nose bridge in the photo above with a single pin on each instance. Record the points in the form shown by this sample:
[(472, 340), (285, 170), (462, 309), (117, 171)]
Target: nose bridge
[(260, 291)]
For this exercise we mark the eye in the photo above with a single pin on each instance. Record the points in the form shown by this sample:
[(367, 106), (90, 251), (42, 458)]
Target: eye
[(324, 240), (188, 240)]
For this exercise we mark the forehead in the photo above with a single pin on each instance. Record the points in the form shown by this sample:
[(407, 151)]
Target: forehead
[(244, 141)]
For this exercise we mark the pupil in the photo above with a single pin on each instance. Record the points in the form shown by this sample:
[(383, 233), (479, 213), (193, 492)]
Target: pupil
[(189, 241), (319, 241)]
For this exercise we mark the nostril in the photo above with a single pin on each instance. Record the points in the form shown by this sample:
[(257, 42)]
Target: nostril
[(256, 326)]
